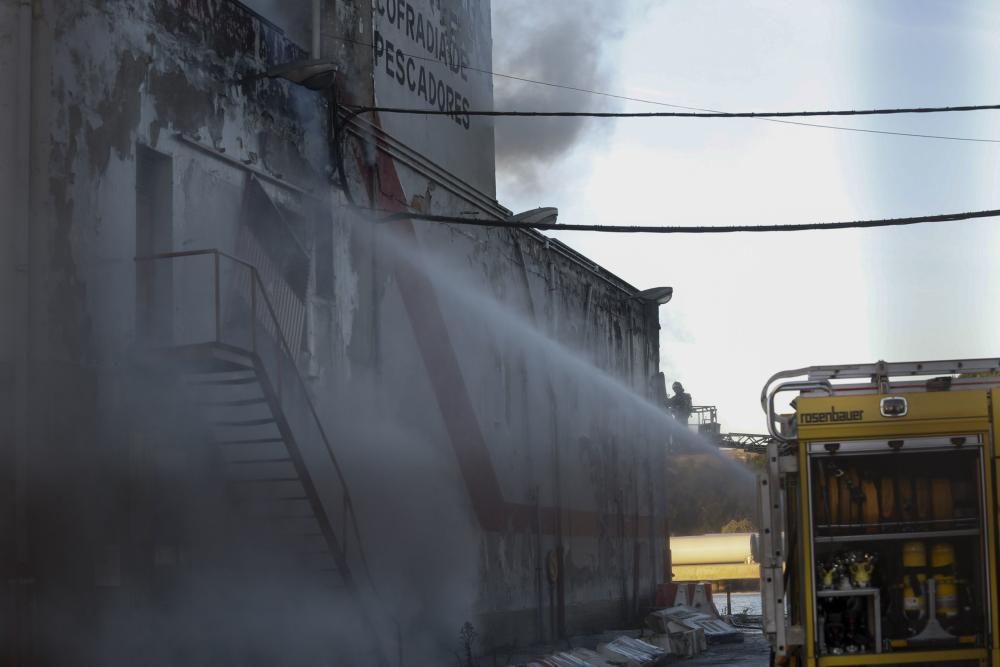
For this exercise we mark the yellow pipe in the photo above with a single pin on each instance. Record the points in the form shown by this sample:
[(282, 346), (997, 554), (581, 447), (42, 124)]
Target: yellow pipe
[(712, 548)]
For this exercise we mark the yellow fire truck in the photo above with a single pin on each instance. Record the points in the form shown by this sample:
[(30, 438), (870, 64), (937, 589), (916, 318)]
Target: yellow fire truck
[(878, 514)]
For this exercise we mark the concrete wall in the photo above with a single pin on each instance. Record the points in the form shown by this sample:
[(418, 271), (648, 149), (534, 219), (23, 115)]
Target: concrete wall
[(479, 385)]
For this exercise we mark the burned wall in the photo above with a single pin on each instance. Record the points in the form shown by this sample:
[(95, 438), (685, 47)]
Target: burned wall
[(144, 124), (512, 376), (483, 389)]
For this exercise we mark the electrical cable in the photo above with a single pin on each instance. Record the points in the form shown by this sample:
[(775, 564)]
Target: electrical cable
[(699, 229), (354, 111), (640, 100), (676, 114), (337, 145)]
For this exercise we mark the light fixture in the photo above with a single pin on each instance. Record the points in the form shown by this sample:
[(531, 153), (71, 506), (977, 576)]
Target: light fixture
[(655, 295), (893, 406), (545, 215), (313, 74)]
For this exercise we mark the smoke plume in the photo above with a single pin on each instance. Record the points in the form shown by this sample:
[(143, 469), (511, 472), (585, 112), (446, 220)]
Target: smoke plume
[(568, 43)]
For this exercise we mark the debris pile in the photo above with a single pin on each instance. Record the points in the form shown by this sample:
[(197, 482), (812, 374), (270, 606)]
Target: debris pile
[(633, 653), (622, 652), (682, 630), (680, 621), (677, 632)]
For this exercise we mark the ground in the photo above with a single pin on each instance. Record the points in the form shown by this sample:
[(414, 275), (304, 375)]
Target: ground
[(753, 652)]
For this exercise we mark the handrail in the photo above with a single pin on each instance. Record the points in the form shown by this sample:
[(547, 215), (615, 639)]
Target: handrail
[(804, 385), (195, 253), (883, 369), (793, 373), (283, 342)]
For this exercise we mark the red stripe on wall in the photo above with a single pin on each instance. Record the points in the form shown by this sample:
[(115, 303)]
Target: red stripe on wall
[(452, 394)]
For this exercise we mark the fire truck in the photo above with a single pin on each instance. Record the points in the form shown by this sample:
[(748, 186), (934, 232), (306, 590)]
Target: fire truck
[(878, 514)]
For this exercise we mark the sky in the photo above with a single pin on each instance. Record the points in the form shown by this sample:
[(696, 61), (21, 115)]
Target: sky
[(748, 305)]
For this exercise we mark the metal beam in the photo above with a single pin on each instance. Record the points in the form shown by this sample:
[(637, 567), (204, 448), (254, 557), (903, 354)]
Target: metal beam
[(749, 442)]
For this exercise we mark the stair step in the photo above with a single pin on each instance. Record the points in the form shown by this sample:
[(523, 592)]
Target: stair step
[(236, 403), (257, 469), (249, 461), (276, 452), (245, 422), (259, 463), (286, 506), (250, 441), (207, 359), (232, 381), (290, 488), (289, 526)]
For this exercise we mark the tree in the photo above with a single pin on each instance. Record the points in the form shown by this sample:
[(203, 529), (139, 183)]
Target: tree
[(707, 491), (743, 525)]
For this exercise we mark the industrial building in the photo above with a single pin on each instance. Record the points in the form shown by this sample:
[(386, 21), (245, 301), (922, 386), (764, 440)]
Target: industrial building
[(250, 416)]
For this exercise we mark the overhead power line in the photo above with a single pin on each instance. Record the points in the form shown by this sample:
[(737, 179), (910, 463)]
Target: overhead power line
[(896, 133), (627, 98), (700, 229), (676, 114)]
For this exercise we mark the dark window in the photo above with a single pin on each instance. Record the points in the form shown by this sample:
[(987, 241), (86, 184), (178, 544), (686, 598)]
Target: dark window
[(154, 212)]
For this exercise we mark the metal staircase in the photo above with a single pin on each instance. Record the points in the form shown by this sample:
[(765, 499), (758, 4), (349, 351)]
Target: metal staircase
[(278, 461), (264, 468)]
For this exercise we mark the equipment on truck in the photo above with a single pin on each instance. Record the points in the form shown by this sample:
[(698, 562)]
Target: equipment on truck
[(878, 514)]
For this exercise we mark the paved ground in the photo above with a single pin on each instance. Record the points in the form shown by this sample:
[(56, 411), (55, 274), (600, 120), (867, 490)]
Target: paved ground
[(753, 652)]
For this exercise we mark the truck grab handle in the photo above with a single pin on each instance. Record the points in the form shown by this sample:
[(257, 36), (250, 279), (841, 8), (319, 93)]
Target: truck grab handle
[(802, 385)]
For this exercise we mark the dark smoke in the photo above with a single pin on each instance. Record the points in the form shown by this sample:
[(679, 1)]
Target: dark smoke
[(570, 43)]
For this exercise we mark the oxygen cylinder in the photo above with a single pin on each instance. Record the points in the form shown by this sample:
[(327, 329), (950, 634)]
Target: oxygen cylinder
[(945, 583), (946, 596), (942, 555), (914, 600), (914, 554)]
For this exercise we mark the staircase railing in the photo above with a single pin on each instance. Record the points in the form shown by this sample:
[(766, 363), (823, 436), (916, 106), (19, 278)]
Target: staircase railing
[(238, 313)]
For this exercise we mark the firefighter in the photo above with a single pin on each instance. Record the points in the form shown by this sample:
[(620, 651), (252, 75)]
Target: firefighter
[(680, 403)]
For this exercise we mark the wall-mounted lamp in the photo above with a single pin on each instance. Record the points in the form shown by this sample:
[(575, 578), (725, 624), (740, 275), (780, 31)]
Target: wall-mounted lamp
[(653, 295)]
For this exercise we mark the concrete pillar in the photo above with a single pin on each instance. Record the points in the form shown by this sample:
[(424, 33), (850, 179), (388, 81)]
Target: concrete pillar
[(16, 72), (346, 36)]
